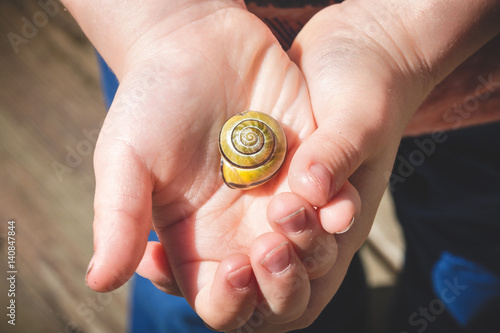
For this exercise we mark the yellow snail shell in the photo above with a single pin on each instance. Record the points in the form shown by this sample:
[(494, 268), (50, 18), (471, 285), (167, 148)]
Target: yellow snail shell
[(253, 148)]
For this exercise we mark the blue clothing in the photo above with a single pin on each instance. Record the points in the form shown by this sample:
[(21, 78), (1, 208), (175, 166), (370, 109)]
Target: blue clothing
[(449, 208)]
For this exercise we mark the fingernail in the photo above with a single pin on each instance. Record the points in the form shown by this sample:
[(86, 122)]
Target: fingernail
[(347, 229), (241, 277), (320, 176), (89, 268), (278, 259), (293, 223)]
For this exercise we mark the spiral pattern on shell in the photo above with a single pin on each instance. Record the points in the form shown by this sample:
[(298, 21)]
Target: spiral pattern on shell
[(253, 148)]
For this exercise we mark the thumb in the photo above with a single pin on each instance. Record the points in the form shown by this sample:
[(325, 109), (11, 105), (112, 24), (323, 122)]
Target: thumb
[(123, 215), (323, 163)]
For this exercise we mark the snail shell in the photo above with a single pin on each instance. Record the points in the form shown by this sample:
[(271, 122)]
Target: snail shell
[(253, 148)]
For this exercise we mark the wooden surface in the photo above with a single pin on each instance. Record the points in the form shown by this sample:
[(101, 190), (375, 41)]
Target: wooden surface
[(49, 98), (49, 94)]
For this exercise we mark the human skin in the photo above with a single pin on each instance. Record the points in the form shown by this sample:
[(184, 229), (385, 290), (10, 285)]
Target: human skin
[(369, 65), (193, 212), (185, 67), (340, 59), (469, 96)]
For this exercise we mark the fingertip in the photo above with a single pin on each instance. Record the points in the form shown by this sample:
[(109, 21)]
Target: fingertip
[(287, 213), (122, 205), (241, 277), (154, 261), (103, 278), (339, 215), (303, 183), (120, 242), (323, 163), (229, 301), (236, 270), (309, 177), (155, 267), (264, 245), (282, 279)]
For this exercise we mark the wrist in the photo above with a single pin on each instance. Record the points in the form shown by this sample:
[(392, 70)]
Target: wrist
[(406, 47), (355, 46), (116, 27)]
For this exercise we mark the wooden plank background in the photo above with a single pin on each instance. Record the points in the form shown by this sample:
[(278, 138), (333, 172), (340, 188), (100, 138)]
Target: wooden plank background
[(49, 94), (49, 98)]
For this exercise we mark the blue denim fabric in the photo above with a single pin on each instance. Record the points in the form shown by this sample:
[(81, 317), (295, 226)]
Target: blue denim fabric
[(464, 287)]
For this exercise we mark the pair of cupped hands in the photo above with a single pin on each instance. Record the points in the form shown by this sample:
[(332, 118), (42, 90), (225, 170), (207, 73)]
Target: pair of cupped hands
[(274, 255)]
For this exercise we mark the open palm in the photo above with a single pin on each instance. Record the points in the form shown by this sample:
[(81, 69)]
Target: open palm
[(157, 162)]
